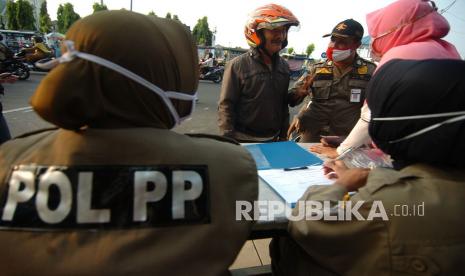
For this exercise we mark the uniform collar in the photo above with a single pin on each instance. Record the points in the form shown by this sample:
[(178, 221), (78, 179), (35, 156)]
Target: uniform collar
[(381, 177), (358, 61)]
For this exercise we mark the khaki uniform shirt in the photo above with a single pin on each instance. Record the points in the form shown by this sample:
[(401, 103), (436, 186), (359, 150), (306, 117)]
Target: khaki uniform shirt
[(336, 96), (424, 233), (139, 201)]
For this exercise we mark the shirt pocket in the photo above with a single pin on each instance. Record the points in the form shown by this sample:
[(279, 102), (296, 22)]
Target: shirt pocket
[(321, 89), (254, 83)]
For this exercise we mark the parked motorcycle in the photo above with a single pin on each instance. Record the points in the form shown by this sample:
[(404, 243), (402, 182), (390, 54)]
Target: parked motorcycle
[(214, 74)]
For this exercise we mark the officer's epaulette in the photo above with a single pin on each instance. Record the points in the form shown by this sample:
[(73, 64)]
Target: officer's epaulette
[(214, 137), (322, 63), (324, 67), (359, 61), (35, 132), (363, 69)]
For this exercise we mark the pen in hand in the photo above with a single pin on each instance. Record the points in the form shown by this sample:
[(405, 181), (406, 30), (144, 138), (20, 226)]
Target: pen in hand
[(329, 166)]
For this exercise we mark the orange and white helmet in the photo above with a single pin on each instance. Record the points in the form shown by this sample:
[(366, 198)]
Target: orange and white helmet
[(269, 17)]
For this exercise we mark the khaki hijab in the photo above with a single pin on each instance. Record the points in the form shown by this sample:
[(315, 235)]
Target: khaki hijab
[(81, 93)]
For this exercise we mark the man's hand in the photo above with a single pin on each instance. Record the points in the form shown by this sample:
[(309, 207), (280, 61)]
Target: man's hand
[(294, 126), (301, 91), (351, 179), (325, 150), (8, 78)]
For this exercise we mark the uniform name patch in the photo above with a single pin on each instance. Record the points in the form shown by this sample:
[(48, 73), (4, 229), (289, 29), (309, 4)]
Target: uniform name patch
[(88, 197)]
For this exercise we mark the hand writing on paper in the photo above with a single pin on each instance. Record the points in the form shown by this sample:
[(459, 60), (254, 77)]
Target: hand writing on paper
[(332, 169), (351, 179)]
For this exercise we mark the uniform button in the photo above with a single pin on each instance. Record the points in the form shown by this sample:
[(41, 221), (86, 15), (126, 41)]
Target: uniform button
[(418, 265)]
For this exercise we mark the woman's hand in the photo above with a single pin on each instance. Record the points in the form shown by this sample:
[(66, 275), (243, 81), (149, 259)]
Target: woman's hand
[(325, 150), (334, 168), (351, 179)]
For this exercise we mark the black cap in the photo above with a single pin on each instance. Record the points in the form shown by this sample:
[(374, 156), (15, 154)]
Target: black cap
[(347, 28)]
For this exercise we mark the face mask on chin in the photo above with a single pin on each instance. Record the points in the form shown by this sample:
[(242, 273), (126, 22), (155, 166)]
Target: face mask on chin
[(338, 55)]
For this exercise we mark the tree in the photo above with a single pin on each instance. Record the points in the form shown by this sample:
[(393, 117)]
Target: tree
[(310, 49), (202, 33), (152, 13), (290, 50), (2, 23), (11, 8), (99, 7), (25, 15), (60, 19), (45, 23), (66, 16), (175, 17), (168, 16)]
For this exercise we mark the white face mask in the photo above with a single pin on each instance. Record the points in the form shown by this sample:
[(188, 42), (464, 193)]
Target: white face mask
[(164, 95), (458, 116), (340, 55)]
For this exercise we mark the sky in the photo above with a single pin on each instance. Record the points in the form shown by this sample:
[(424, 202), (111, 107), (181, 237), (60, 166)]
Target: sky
[(228, 17)]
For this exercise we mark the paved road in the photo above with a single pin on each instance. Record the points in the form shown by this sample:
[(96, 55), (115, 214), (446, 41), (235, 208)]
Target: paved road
[(21, 118)]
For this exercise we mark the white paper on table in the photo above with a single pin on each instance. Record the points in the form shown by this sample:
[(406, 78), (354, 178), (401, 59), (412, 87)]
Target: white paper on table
[(291, 185)]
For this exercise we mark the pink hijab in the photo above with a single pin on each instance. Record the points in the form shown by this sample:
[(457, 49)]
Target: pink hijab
[(418, 40)]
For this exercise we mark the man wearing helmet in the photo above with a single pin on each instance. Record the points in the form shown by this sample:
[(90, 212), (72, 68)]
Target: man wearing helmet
[(253, 103), (336, 86)]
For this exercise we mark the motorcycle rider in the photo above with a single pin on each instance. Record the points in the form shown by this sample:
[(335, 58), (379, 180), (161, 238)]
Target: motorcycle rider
[(253, 105), (38, 51), (206, 65), (5, 53)]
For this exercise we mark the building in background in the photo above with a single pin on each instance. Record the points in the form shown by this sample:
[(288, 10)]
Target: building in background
[(364, 49)]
